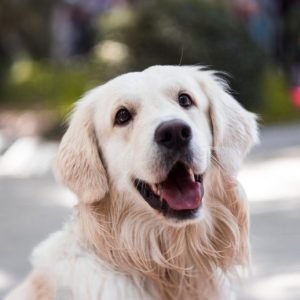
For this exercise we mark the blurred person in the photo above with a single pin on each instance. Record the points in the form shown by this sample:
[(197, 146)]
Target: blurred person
[(82, 29), (289, 12), (72, 28), (61, 32), (258, 15)]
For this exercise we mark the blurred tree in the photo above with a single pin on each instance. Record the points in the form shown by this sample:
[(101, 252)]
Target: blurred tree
[(291, 40), (193, 32), (24, 29), (25, 26)]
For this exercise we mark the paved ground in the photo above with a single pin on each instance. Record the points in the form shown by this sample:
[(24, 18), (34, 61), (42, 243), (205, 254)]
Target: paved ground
[(33, 206)]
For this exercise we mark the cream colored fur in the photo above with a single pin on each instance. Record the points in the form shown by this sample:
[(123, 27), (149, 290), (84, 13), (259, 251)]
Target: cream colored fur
[(117, 246)]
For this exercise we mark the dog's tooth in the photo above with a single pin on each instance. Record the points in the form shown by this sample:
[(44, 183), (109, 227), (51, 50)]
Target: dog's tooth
[(153, 187), (158, 191), (160, 197), (191, 173)]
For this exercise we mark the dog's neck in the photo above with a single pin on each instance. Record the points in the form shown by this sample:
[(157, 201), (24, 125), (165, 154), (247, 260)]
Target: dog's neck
[(181, 262)]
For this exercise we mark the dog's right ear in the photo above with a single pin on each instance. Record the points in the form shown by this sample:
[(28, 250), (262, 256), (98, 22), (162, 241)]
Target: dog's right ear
[(78, 162)]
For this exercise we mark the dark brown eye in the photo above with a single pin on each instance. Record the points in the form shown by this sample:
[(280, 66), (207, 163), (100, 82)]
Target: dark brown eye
[(185, 100), (123, 117)]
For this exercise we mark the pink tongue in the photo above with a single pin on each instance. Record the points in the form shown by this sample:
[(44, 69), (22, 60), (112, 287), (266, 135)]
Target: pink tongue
[(180, 191)]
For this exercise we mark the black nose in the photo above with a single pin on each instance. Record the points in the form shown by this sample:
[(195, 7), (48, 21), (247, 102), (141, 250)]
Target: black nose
[(173, 134)]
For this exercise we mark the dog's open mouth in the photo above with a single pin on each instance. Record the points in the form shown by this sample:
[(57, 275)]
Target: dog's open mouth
[(179, 195)]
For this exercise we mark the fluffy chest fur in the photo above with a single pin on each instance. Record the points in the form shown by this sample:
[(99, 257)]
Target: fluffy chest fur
[(76, 274), (138, 259)]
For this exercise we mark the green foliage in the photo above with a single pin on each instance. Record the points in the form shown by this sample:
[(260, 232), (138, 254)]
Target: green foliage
[(46, 85), (28, 21), (277, 102)]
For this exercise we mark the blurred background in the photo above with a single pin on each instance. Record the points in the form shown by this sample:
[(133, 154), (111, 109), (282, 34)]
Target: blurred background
[(52, 51)]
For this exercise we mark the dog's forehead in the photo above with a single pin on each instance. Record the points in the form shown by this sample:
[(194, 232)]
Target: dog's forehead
[(157, 78), (149, 88)]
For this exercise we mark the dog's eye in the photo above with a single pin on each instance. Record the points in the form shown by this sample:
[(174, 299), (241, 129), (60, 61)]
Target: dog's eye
[(123, 116), (185, 100)]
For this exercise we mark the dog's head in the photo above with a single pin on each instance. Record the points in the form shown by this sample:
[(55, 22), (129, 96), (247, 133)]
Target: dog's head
[(151, 138)]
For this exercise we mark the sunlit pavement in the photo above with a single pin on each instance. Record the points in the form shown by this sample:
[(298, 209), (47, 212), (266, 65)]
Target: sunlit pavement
[(33, 205), (273, 187)]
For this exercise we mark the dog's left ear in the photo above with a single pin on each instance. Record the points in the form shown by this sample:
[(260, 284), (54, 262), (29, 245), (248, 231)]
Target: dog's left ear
[(78, 162), (234, 128)]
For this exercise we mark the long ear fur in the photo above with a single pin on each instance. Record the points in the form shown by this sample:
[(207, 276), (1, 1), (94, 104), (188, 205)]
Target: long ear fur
[(234, 133), (234, 128), (78, 162)]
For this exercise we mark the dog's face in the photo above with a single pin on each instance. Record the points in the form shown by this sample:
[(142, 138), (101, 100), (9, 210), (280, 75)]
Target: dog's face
[(155, 132)]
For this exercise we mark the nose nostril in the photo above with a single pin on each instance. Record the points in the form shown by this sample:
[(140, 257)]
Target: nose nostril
[(166, 137), (186, 132)]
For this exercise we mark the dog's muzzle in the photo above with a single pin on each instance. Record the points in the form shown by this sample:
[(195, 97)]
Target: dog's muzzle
[(180, 194)]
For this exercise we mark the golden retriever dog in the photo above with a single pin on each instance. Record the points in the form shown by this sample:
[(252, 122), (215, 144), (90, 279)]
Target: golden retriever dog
[(153, 157)]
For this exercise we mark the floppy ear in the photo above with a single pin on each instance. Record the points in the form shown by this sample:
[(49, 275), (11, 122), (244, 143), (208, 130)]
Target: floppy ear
[(78, 162), (234, 128)]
